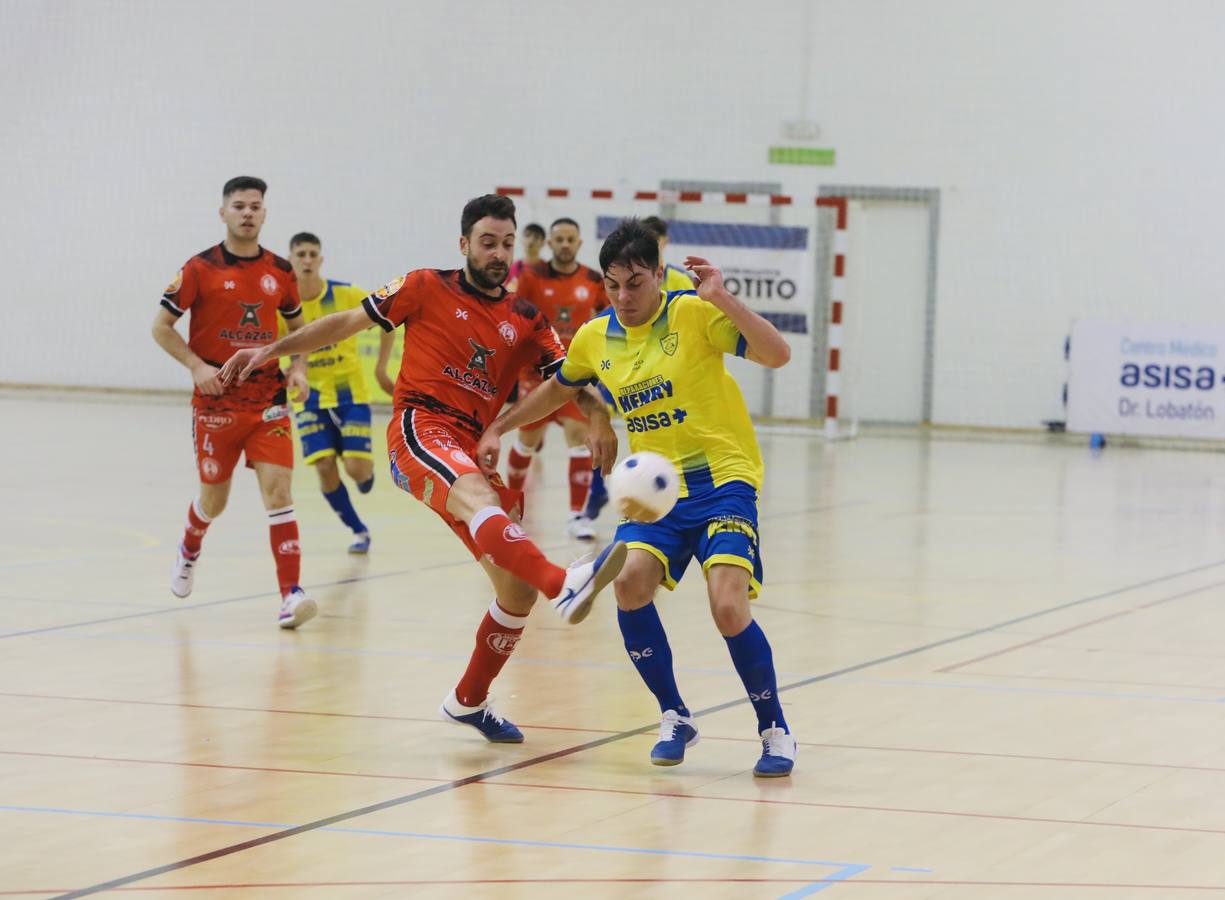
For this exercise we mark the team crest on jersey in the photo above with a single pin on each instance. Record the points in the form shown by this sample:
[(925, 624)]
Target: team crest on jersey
[(173, 287), (250, 314), (390, 288), (269, 285), (669, 342), (461, 457), (508, 333), (581, 292), (480, 357)]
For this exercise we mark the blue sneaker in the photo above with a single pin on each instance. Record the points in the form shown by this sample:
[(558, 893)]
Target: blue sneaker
[(361, 542), (597, 497), (586, 577), (777, 754), (676, 734), (492, 727)]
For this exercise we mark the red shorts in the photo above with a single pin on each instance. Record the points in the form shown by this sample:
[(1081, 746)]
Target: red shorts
[(428, 452), (222, 437), (570, 411)]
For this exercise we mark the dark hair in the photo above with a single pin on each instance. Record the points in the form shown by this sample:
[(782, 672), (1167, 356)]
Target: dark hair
[(564, 220), (533, 228), (477, 208), (656, 226), (244, 183), (631, 243), (304, 237)]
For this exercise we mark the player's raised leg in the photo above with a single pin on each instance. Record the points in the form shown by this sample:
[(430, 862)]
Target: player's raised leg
[(496, 638), (275, 487), (728, 589), (571, 591), (648, 648)]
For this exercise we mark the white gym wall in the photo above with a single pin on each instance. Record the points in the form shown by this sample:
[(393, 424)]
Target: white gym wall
[(1074, 145)]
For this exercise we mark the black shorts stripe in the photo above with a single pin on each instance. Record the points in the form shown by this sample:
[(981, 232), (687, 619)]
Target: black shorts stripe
[(422, 455)]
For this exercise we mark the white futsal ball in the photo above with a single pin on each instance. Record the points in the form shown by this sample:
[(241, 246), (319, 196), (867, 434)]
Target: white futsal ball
[(644, 487)]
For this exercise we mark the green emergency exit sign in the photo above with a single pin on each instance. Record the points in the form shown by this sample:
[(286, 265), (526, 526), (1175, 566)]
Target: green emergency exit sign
[(801, 156)]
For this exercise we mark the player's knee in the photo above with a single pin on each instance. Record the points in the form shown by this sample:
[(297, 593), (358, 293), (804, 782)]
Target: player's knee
[(731, 614), (518, 598), (359, 469), (633, 589), (329, 476), (468, 495)]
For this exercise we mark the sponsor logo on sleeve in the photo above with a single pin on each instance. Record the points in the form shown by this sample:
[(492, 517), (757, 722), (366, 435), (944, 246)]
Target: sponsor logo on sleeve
[(390, 288), (173, 287)]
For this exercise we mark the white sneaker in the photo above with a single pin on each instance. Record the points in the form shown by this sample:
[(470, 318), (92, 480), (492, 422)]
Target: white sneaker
[(184, 573), (777, 754), (585, 578), (580, 528), (297, 609)]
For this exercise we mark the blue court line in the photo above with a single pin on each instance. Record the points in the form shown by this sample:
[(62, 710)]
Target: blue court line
[(854, 868), (1008, 689), (809, 889), (909, 869)]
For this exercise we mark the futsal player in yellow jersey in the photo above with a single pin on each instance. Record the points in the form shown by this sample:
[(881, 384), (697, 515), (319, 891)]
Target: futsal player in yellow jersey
[(660, 355), (334, 420)]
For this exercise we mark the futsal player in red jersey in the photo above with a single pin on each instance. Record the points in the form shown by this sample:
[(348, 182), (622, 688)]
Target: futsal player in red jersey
[(568, 293), (466, 340), (232, 294)]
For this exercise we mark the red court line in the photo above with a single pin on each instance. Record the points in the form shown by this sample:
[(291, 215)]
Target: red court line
[(1082, 625), (849, 882), (674, 795), (283, 712)]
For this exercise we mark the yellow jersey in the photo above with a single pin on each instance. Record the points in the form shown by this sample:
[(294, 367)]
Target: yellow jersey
[(669, 383), (335, 372), (676, 279)]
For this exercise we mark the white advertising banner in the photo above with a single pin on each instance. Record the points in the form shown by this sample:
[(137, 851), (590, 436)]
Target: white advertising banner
[(1147, 378)]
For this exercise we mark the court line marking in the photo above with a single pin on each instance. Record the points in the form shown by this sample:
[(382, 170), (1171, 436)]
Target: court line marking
[(493, 773), (1073, 628), (1220, 688), (1019, 689), (666, 795)]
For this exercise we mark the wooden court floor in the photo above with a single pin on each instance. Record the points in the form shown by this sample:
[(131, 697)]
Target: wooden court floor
[(1003, 661)]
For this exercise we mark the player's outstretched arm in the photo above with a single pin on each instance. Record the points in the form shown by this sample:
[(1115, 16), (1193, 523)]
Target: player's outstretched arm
[(542, 401), (386, 382), (766, 345), (319, 333), (296, 380), (169, 339)]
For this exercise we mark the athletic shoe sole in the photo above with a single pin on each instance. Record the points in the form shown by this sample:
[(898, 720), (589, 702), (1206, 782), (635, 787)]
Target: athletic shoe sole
[(303, 613), (609, 569)]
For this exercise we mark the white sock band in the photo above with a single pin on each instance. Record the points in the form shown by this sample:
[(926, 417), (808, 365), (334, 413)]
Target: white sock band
[(280, 516), (522, 450), (196, 508), (505, 619), (584, 450), (484, 516)]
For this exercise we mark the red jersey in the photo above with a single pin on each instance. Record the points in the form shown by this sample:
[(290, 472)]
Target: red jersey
[(567, 301), (233, 302), (463, 348)]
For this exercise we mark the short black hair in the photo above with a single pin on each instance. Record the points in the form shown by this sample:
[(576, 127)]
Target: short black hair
[(656, 226), (533, 228), (564, 220), (304, 237), (630, 243), (496, 205), (244, 183)]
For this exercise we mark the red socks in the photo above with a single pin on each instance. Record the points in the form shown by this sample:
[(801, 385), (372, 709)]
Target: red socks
[(508, 545), (518, 461), (495, 641), (580, 478), (197, 525), (283, 535)]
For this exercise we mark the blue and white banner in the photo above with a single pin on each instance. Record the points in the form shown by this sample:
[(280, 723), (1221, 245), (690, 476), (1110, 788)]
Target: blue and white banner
[(768, 267), (1147, 378)]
